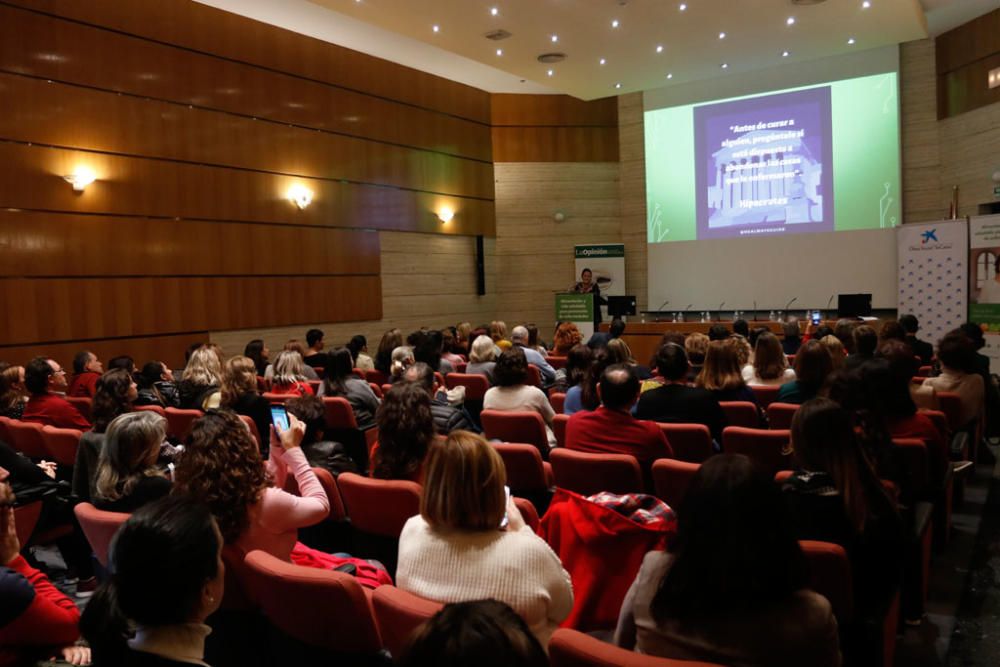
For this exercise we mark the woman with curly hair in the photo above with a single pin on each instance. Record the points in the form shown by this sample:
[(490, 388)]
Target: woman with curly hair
[(199, 385), (221, 468), (116, 392), (512, 392), (405, 429), (566, 336), (391, 339)]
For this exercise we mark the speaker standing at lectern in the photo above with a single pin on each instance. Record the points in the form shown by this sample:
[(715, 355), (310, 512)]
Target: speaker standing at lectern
[(587, 285)]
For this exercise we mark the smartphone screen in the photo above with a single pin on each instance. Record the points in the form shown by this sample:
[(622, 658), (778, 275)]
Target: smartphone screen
[(279, 416), (505, 520), (815, 317)]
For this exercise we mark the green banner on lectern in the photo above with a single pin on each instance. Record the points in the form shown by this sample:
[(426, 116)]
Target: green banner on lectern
[(574, 307)]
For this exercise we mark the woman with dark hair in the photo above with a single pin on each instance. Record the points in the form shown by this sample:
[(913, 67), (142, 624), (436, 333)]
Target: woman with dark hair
[(903, 367), (340, 380), (116, 394), (812, 366), (13, 395), (156, 386), (428, 348), (241, 395), (533, 342), (405, 430), (584, 396), (770, 365), (721, 374), (167, 579), (358, 347), (835, 496), (957, 354), (732, 588), (391, 339), (891, 330), (450, 350), (259, 354), (127, 474), (513, 394), (572, 374)]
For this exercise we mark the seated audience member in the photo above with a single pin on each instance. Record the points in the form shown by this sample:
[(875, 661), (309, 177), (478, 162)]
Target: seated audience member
[(584, 395), (358, 346), (257, 351), (718, 332), (696, 347), (156, 386), (600, 339), (741, 327), (482, 358), (498, 332), (13, 394), (511, 392), (86, 369), (428, 346), (534, 342), (35, 617), (835, 496), (463, 338), (957, 355), (865, 344), (821, 332), (320, 452), (843, 331), (812, 366), (448, 352), (127, 474), (920, 348), (200, 381), (340, 380), (836, 349), (611, 428), (755, 334), (902, 368), (671, 337), (402, 358), (46, 381), (721, 374), (792, 340), (676, 402), (405, 429), (891, 330), (619, 352), (770, 365), (565, 337), (125, 363), (975, 333), (116, 394), (744, 352), (573, 373), (289, 375), (519, 338), (447, 418), (732, 589), (293, 346), (391, 339), (168, 579), (314, 356), (463, 547), (485, 633), (251, 513), (240, 394)]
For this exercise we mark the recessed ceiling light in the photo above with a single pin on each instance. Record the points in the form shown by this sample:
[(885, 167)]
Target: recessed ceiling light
[(790, 20), (724, 65), (494, 11), (670, 76), (659, 48), (614, 23), (785, 54), (551, 72), (722, 35), (555, 38), (683, 7), (865, 4), (436, 28), (602, 61), (850, 41), (499, 52), (618, 85)]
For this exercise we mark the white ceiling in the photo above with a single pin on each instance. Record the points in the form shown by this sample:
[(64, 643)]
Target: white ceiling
[(757, 34)]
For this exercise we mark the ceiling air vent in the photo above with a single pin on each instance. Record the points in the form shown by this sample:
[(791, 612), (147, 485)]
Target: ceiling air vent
[(808, 2), (549, 58), (497, 35)]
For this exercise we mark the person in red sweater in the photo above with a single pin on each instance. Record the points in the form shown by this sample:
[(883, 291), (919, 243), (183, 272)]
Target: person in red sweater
[(87, 369), (611, 428), (34, 615), (46, 379)]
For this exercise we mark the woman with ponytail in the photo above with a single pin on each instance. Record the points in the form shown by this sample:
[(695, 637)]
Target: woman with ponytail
[(167, 579)]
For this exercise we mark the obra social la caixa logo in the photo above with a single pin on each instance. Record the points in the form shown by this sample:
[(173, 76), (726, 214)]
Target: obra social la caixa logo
[(929, 241)]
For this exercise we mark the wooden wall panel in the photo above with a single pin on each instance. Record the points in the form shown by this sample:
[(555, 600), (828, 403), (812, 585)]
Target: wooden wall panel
[(964, 58), (552, 110), (209, 30), (156, 188), (168, 349), (68, 51), (632, 182), (555, 144), (52, 244), (61, 115)]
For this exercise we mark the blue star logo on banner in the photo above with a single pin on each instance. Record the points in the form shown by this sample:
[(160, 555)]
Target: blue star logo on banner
[(930, 235)]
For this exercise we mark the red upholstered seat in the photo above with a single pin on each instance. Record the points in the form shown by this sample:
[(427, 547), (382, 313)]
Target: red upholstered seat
[(559, 428), (99, 527), (26, 437), (740, 413), (358, 372), (25, 519), (556, 361), (277, 399), (534, 376), (399, 613), (830, 576), (236, 596), (951, 406), (557, 400), (671, 479), (338, 412), (379, 506), (587, 473), (61, 444), (325, 609), (252, 426), (766, 394), (152, 408), (377, 377), (779, 415), (4, 433), (570, 648), (179, 422), (690, 442), (527, 427), (82, 404), (376, 389), (475, 384), (528, 513), (460, 366), (770, 449), (526, 472)]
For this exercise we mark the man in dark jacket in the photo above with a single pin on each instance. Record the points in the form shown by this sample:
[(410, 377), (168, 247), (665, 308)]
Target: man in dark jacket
[(447, 418), (920, 348)]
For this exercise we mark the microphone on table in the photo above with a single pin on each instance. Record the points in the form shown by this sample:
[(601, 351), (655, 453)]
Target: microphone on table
[(686, 310), (719, 315), (754, 311), (662, 305), (789, 305), (826, 310)]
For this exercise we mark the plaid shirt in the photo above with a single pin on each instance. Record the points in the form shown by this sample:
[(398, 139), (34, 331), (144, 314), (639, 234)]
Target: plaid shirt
[(639, 507)]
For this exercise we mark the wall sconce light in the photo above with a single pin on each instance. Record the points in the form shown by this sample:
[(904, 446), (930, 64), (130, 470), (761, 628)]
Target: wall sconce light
[(300, 195), (994, 78), (81, 178), (445, 215)]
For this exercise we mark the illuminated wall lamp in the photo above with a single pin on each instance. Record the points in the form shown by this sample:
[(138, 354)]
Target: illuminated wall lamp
[(300, 195), (994, 78), (81, 178), (445, 215)]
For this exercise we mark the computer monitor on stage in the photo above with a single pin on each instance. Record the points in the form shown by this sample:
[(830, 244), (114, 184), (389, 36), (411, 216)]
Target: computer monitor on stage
[(621, 305), (854, 305)]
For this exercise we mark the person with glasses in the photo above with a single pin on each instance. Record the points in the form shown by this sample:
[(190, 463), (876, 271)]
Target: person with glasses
[(46, 381)]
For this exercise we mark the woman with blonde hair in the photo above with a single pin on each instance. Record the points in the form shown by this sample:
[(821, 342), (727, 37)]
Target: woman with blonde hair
[(200, 381), (293, 345), (498, 332), (463, 337), (721, 374), (13, 395), (770, 365), (744, 353), (469, 541), (127, 474), (482, 358), (240, 394), (619, 352), (565, 337), (289, 375), (836, 349)]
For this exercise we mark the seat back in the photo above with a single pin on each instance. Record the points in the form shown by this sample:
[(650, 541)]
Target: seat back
[(475, 385), (740, 413), (4, 433), (525, 468), (559, 428), (671, 479), (527, 427), (556, 361), (690, 442), (528, 513), (329, 484), (588, 474), (179, 422), (358, 372), (951, 406), (399, 613), (26, 437), (557, 400), (236, 596), (379, 506), (314, 385), (771, 449), (252, 427), (571, 648), (339, 413), (779, 415), (376, 389), (25, 519), (61, 444), (82, 405), (376, 377), (766, 394), (276, 398), (99, 527), (321, 608), (534, 376), (151, 408), (830, 576), (911, 454)]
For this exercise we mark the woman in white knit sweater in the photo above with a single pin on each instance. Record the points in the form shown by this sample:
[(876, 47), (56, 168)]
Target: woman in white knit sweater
[(456, 550)]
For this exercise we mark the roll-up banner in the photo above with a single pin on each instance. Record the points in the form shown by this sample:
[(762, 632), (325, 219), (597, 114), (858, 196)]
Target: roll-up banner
[(607, 262), (984, 281)]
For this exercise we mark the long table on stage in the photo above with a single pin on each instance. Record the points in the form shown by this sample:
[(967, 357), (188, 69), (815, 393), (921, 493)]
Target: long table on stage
[(643, 338)]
